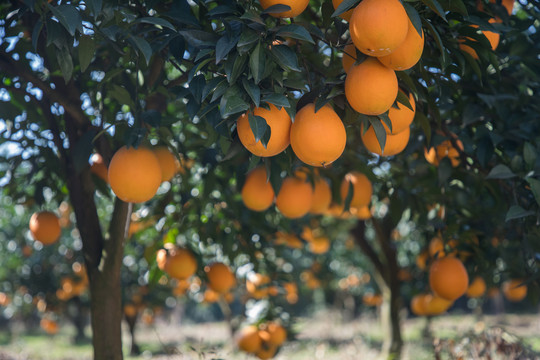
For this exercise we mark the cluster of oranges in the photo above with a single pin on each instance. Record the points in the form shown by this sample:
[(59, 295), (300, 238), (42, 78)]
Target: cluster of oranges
[(263, 340), (298, 196)]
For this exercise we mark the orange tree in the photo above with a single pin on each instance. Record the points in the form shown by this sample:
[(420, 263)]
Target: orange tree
[(85, 77)]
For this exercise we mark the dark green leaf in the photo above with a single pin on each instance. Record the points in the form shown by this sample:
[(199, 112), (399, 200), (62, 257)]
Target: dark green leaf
[(247, 39), (535, 188), (223, 46), (385, 119), (257, 63), (320, 102), (458, 6), (152, 118), (277, 99), (94, 6), (238, 68), (177, 47), (220, 89), (232, 103), (421, 119), (344, 6), (122, 96), (444, 170), (134, 137), (285, 57), (65, 62), (500, 172), (258, 126), (414, 17), (296, 32), (69, 17), (199, 38), (438, 41), (35, 33), (87, 49), (404, 99), (436, 7), (380, 132), (155, 21), (143, 46), (253, 91), (529, 154), (275, 9), (517, 212), (348, 197), (211, 86)]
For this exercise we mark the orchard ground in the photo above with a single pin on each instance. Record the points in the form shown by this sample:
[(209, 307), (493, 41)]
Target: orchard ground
[(323, 336)]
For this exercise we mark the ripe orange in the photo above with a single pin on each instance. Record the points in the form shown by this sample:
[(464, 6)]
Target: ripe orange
[(210, 296), (421, 260), (477, 288), (513, 290), (394, 143), (248, 339), (98, 166), (349, 57), (347, 14), (378, 27), (372, 299), (318, 138), (492, 37), (279, 122), (362, 188), (370, 87), (134, 174), (401, 117), (319, 245), (363, 212), (256, 285), (297, 7), (444, 149), (179, 263), (408, 53), (322, 197), (278, 334), (436, 305), (295, 196), (290, 240), (419, 305), (50, 326), (220, 277), (167, 161), (448, 278), (45, 227), (436, 247), (257, 192)]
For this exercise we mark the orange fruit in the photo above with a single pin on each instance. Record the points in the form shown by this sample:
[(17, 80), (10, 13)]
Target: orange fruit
[(322, 197), (98, 167), (167, 161), (256, 285), (50, 326), (318, 138), (257, 192), (130, 310), (349, 57), (372, 299), (394, 143), (421, 260), (319, 245), (220, 277), (508, 5), (179, 263), (513, 290), (297, 7), (290, 240), (210, 296), (419, 305), (45, 227), (436, 305), (444, 149), (401, 117), (362, 189), (347, 14), (408, 53), (278, 334), (477, 288), (370, 87), (492, 37), (436, 247), (448, 278), (248, 339), (295, 196), (378, 27), (279, 122), (267, 351), (363, 212), (134, 174)]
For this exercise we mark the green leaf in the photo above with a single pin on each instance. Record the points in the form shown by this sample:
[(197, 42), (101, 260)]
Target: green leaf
[(232, 103), (535, 188), (320, 102), (276, 9), (436, 7), (458, 6), (35, 33), (143, 46), (258, 127), (500, 172), (529, 154), (404, 99), (122, 96), (444, 56), (199, 38), (421, 119), (247, 39), (348, 199), (257, 63), (223, 46), (414, 17), (68, 16), (253, 91), (94, 6), (517, 212), (285, 57), (65, 62), (152, 118), (345, 6), (277, 99), (134, 137), (384, 118), (238, 68), (155, 21), (380, 132), (444, 170), (296, 32), (87, 49)]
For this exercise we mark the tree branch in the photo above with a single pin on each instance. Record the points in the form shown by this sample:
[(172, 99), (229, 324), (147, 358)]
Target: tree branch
[(359, 235)]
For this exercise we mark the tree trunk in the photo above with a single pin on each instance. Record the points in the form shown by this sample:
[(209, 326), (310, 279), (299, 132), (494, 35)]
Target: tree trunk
[(132, 324)]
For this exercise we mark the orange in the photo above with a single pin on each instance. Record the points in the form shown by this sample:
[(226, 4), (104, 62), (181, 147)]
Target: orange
[(349, 57), (419, 305), (220, 277), (444, 149), (448, 278), (408, 53), (322, 197), (257, 192), (508, 5), (394, 143), (45, 227), (256, 285), (210, 296), (378, 27), (267, 351), (98, 166), (279, 122), (248, 339), (290, 240), (370, 87), (130, 310), (179, 264), (278, 334), (436, 247), (492, 37), (319, 245), (347, 14), (295, 197), (363, 212), (297, 7), (436, 305), (421, 260), (477, 288), (401, 117), (50, 326), (372, 299), (362, 189), (513, 290), (318, 138), (167, 161), (134, 174)]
